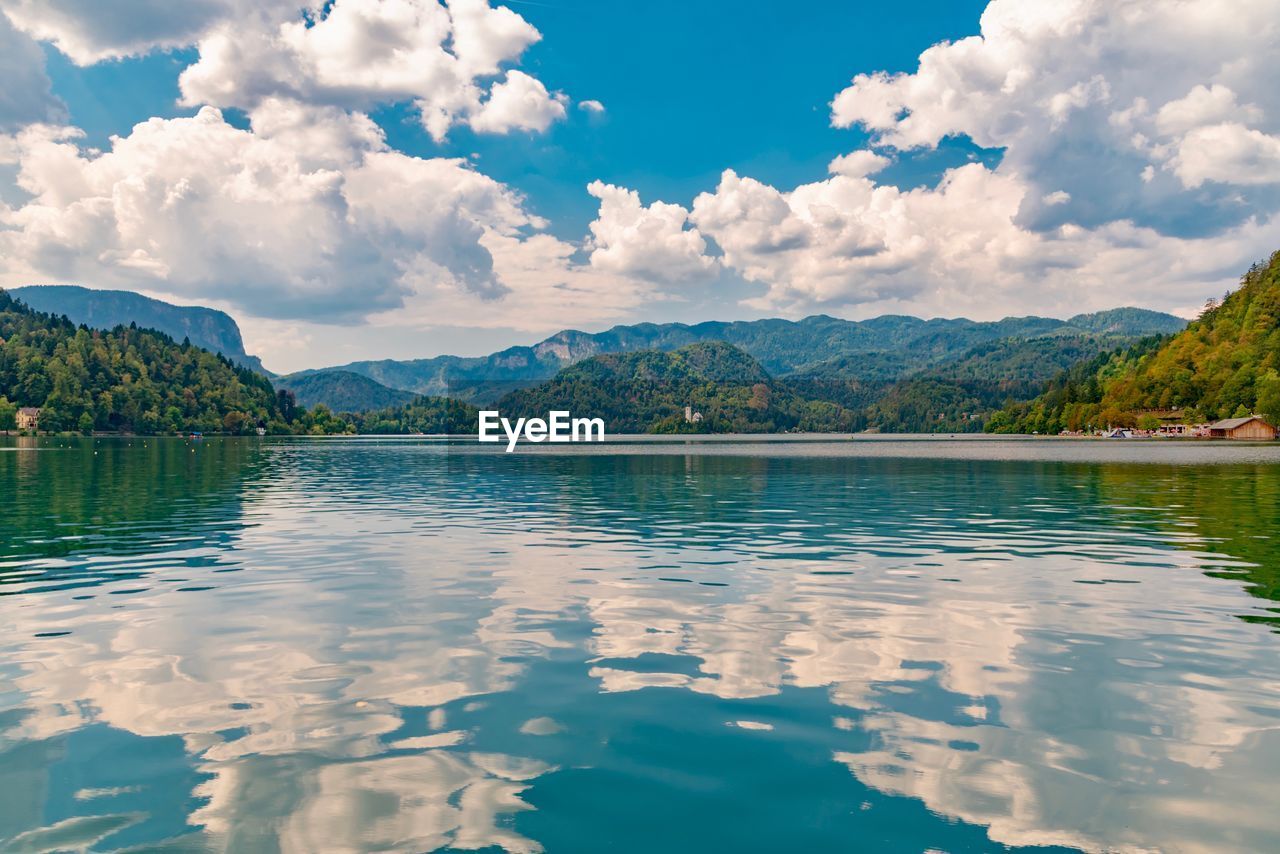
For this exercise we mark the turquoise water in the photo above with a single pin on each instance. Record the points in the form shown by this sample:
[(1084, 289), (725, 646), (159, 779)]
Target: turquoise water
[(398, 645)]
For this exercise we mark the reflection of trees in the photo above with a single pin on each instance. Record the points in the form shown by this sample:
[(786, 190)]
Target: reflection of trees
[(1223, 512), (115, 499), (1232, 510)]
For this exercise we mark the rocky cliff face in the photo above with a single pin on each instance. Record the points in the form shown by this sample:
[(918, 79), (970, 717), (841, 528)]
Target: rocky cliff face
[(205, 327), (568, 346)]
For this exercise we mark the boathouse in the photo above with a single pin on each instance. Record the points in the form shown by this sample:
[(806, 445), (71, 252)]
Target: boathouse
[(1248, 427)]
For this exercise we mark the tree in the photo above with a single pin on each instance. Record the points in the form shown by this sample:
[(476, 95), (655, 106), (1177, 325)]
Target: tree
[(286, 403), (1001, 421), (1269, 397)]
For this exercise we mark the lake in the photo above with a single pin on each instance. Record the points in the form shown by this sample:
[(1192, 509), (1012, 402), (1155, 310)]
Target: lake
[(402, 645)]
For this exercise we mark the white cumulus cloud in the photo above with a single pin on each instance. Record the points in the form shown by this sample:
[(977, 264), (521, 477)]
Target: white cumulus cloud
[(1140, 157), (953, 249), (1229, 153), (305, 215), (858, 164), (1086, 94), (519, 102), (1203, 105), (361, 53), (650, 243), (450, 60), (1139, 162), (89, 31)]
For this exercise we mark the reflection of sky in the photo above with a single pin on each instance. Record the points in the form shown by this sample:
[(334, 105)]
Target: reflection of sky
[(416, 647)]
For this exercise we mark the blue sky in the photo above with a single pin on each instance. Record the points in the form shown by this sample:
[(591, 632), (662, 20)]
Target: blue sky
[(400, 178), (689, 91)]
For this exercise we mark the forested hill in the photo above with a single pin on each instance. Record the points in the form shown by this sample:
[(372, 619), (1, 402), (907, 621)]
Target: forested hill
[(1225, 363), (957, 395), (647, 392), (342, 391), (98, 309), (124, 379)]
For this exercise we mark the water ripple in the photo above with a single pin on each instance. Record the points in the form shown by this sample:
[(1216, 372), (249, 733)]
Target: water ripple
[(399, 645)]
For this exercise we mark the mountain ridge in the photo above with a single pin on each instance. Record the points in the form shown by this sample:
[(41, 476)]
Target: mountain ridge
[(128, 378), (647, 391), (205, 327), (781, 346), (342, 391), (931, 374)]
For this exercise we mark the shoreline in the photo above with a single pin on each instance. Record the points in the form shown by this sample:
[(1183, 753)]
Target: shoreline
[(687, 438)]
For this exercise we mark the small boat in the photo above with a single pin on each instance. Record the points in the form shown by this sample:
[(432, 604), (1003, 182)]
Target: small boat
[(196, 434)]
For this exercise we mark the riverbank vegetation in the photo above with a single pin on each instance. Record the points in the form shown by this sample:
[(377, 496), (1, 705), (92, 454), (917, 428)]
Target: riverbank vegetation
[(1225, 364), (134, 380)]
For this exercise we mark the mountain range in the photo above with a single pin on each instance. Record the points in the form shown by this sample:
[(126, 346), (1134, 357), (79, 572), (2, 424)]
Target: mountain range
[(892, 373), (342, 391), (880, 350), (648, 391)]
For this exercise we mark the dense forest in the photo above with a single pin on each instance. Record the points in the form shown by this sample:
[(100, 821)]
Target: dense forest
[(134, 380), (647, 392), (422, 415), (954, 396), (1224, 364)]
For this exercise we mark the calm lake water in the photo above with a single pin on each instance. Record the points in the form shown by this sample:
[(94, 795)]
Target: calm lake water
[(404, 645)]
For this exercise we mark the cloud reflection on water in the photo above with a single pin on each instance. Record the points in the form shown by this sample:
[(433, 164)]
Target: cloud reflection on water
[(1074, 680)]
